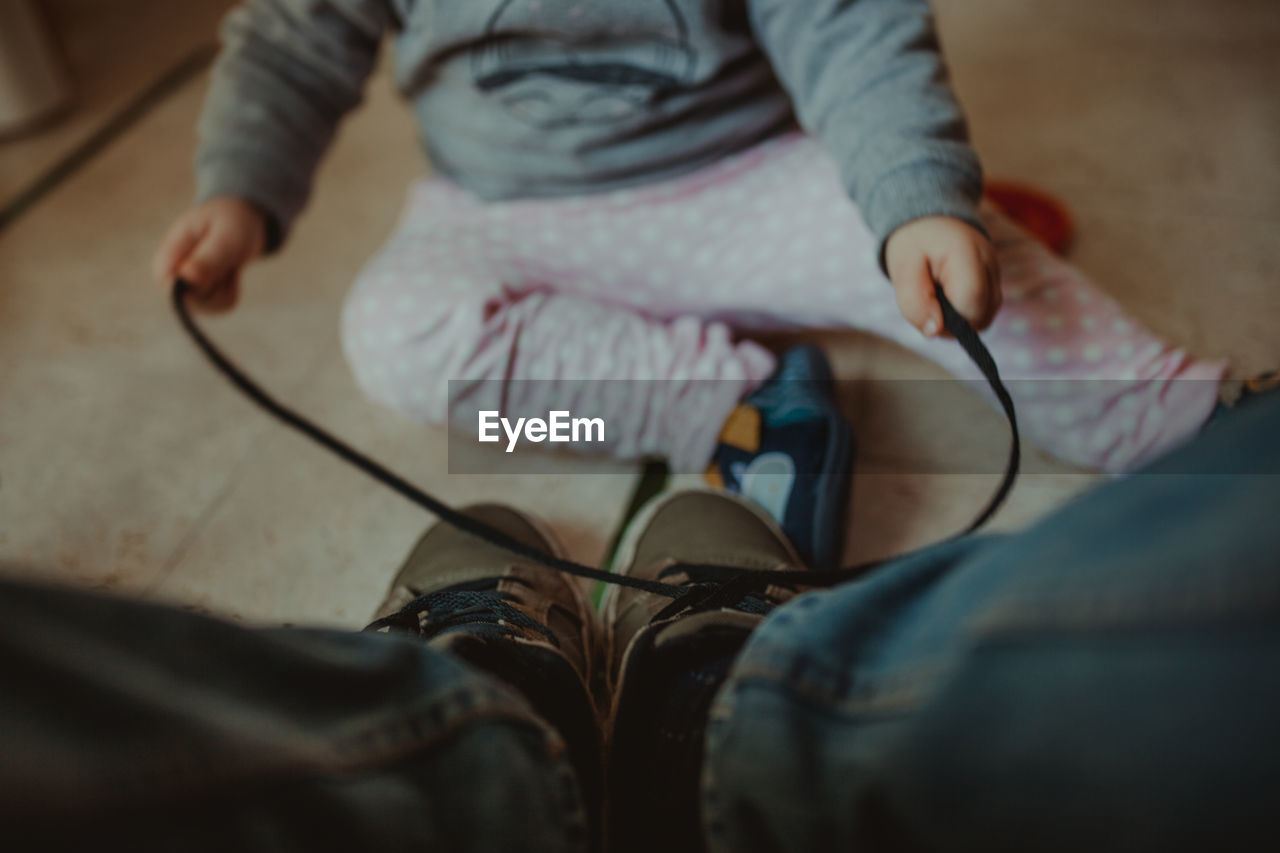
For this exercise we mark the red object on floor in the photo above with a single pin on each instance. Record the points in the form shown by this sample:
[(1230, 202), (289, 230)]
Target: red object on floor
[(1042, 215)]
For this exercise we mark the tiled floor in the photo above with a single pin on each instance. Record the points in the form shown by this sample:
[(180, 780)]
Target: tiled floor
[(126, 464)]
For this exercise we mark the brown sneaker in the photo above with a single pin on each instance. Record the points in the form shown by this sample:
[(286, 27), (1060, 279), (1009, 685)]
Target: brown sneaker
[(455, 588), (695, 526), (665, 667), (529, 626)]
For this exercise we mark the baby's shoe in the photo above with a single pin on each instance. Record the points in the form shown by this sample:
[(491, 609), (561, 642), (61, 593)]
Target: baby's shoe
[(788, 448)]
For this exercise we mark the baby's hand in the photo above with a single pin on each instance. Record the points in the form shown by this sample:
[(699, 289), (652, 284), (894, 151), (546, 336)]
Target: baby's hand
[(208, 246), (955, 255)]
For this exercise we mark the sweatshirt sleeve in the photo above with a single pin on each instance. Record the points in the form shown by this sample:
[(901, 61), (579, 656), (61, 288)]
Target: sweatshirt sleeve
[(868, 79), (288, 72)]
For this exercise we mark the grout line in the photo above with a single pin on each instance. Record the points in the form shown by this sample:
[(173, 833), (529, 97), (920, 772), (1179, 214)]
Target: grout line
[(148, 99)]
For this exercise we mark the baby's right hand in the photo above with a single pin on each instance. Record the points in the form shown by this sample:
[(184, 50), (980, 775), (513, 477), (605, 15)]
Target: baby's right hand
[(208, 246)]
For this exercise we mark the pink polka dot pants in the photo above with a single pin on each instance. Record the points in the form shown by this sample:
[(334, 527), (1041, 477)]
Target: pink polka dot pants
[(650, 284)]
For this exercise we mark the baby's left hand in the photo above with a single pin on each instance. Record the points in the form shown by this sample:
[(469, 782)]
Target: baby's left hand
[(955, 255)]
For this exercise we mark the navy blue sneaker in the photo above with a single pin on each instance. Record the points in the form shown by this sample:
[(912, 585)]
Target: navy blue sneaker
[(788, 449)]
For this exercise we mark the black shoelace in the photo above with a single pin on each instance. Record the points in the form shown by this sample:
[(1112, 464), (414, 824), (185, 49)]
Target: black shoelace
[(714, 587), (463, 605), (718, 585)]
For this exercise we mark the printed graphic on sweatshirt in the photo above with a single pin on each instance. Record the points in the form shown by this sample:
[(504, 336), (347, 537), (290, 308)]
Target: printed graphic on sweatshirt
[(557, 63)]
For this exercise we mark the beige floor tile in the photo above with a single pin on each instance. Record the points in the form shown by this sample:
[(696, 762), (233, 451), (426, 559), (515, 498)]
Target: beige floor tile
[(1164, 104), (107, 457), (892, 513), (1205, 282)]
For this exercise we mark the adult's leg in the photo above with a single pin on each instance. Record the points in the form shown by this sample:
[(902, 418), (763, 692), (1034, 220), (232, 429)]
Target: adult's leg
[(134, 726), (1106, 680)]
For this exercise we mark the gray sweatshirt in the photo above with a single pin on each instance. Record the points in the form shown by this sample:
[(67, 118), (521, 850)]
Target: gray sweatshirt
[(524, 98)]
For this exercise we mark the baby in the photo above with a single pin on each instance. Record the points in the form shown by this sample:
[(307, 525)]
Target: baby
[(622, 185)]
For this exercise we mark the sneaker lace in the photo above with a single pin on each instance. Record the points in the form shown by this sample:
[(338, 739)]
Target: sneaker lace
[(480, 602), (711, 587)]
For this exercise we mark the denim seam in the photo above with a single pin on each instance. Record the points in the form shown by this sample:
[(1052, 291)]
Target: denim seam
[(712, 813), (837, 692)]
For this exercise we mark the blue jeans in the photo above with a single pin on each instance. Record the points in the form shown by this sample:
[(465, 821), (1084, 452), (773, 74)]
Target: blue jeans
[(1107, 680)]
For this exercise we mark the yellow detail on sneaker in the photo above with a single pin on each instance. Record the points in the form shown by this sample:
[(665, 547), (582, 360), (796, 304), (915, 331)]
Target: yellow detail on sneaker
[(742, 428), (713, 476), (1260, 383)]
